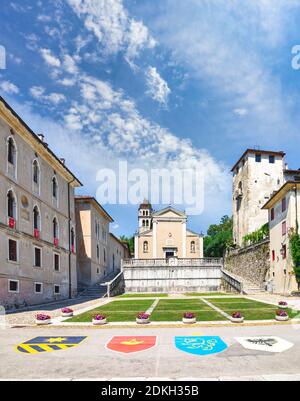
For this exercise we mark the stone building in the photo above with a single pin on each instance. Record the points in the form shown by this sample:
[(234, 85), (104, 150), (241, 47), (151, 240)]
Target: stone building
[(284, 215), (256, 175), (37, 217), (164, 234), (99, 252)]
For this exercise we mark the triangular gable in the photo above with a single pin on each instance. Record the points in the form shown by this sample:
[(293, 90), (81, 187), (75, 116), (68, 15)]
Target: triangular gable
[(169, 211)]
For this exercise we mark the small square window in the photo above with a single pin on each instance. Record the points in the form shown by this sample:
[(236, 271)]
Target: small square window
[(272, 214), (12, 250), (37, 257), (258, 158), (284, 252), (13, 286), (283, 205), (56, 289), (38, 288), (284, 228), (273, 256), (272, 159)]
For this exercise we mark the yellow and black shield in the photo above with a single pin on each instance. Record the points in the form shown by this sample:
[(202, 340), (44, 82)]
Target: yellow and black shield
[(49, 344)]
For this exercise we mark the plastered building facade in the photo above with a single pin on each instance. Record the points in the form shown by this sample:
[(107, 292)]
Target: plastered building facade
[(37, 218), (164, 234)]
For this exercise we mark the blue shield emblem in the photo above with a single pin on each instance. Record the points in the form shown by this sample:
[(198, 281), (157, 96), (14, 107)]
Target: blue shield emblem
[(202, 346)]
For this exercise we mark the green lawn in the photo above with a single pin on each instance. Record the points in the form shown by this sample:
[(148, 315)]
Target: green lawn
[(116, 311), (251, 310), (137, 295), (173, 310), (207, 294)]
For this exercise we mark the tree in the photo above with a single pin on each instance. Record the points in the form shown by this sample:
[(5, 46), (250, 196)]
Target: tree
[(219, 238), (129, 241)]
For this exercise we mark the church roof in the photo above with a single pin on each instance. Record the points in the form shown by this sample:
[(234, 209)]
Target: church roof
[(169, 209), (145, 205)]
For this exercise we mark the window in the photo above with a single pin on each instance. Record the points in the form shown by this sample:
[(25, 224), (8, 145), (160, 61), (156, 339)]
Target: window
[(36, 173), (284, 228), (12, 250), (283, 205), (38, 288), (273, 256), (98, 253), (258, 158), (193, 247), (146, 247), (72, 240), (56, 262), (11, 205), (36, 219), (284, 252), (37, 257), (57, 289), (104, 255), (11, 151), (13, 286), (272, 214), (272, 159), (55, 228), (54, 187)]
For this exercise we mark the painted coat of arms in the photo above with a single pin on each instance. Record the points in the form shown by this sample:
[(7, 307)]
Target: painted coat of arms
[(202, 346)]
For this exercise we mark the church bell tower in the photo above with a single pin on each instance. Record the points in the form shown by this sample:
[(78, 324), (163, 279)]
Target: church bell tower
[(145, 217)]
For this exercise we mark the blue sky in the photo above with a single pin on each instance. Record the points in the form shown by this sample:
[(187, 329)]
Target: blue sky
[(164, 83)]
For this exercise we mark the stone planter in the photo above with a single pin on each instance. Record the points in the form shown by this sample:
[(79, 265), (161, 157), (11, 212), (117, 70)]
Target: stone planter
[(143, 321), (283, 307), (282, 318), (43, 322), (71, 314), (189, 321), (99, 322), (237, 320)]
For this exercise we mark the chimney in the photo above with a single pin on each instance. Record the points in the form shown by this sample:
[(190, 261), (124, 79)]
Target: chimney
[(63, 161), (42, 137)]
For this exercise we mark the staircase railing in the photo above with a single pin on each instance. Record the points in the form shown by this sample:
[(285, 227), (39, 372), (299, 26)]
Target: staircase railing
[(113, 284), (233, 281)]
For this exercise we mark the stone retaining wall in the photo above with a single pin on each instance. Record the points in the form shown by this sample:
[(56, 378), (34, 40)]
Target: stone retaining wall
[(250, 263)]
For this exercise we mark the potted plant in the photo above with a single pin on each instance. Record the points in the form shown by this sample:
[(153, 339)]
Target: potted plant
[(99, 320), (283, 305), (67, 312), (143, 318), (42, 319), (237, 317), (189, 318), (282, 316)]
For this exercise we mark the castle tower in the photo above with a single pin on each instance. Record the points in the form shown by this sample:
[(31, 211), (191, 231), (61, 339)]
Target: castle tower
[(145, 217), (256, 175)]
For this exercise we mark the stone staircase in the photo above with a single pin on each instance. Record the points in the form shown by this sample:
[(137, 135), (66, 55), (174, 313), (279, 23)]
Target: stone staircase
[(252, 289), (95, 292), (242, 285)]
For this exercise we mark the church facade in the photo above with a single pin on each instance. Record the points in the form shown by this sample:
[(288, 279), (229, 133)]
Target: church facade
[(164, 235)]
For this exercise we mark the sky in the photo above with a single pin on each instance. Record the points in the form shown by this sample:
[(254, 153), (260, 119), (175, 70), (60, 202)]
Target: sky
[(164, 83)]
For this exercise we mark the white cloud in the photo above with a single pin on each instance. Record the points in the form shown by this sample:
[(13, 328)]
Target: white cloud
[(38, 93), (9, 88), (158, 88), (111, 24), (49, 58), (240, 112)]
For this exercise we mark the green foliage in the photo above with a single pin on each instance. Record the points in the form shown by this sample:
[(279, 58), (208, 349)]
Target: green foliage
[(295, 252), (129, 241), (257, 236), (219, 238)]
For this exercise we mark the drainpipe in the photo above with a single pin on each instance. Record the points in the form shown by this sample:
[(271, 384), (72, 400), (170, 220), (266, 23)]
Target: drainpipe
[(70, 245)]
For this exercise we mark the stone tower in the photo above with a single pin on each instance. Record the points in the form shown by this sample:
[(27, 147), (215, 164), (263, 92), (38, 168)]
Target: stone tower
[(256, 175), (145, 217)]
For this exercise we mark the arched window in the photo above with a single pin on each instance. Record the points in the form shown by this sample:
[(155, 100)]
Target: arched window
[(98, 253), (11, 205), (144, 223), (193, 247), (11, 151), (54, 188), (146, 247), (36, 219), (147, 223), (55, 229), (36, 172)]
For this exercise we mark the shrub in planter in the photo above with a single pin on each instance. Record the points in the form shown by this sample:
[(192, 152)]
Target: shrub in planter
[(67, 312), (143, 318), (282, 316), (99, 320), (189, 318), (42, 319), (237, 317), (283, 305)]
